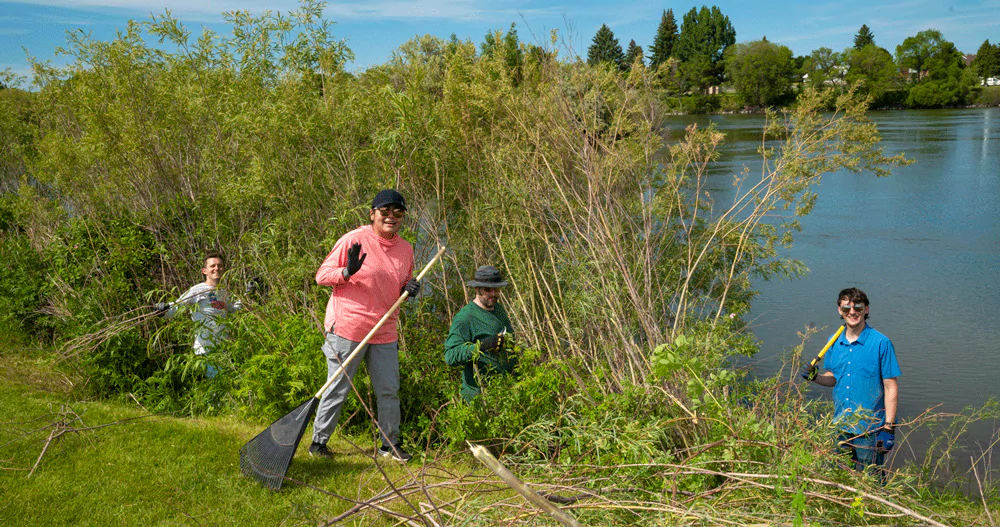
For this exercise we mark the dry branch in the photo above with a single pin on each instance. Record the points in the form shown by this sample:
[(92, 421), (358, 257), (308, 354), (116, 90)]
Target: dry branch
[(509, 478)]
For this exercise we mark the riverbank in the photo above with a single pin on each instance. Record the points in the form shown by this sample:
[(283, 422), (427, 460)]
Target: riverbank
[(83, 462), (728, 104)]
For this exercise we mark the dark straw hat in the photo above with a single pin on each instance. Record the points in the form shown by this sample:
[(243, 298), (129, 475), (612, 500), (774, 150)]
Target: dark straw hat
[(487, 276), (388, 197)]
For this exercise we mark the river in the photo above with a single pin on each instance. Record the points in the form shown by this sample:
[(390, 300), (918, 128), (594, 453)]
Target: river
[(923, 243)]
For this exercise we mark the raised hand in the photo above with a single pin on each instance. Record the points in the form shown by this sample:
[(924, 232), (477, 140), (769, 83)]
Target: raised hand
[(355, 259)]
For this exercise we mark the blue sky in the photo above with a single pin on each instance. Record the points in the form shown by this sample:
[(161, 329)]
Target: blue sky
[(374, 28)]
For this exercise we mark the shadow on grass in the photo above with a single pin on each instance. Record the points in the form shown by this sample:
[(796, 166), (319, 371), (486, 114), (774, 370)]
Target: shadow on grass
[(309, 470)]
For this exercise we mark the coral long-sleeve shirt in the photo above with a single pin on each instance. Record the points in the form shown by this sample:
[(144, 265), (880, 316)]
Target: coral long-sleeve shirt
[(357, 303)]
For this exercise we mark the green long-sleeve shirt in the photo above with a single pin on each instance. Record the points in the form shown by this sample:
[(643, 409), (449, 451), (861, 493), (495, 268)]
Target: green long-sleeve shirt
[(471, 325)]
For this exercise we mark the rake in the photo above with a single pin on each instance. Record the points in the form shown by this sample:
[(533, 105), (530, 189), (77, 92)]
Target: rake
[(267, 456)]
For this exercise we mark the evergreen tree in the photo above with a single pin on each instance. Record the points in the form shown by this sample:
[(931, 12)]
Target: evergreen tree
[(987, 61), (606, 49), (663, 42), (864, 37), (634, 53), (705, 35)]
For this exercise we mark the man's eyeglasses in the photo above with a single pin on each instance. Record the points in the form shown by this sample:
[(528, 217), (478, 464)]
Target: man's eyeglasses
[(386, 212), (857, 307)]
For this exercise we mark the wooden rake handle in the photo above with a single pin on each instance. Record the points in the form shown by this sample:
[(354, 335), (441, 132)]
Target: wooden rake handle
[(361, 345)]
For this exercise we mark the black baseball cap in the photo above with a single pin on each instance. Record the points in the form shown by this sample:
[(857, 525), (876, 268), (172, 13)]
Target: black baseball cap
[(388, 197)]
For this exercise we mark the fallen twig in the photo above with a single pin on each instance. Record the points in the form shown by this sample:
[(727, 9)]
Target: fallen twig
[(509, 478)]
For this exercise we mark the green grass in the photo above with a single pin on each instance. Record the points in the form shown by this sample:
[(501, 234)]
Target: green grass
[(154, 470)]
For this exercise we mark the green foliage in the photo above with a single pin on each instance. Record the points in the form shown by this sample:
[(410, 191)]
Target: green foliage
[(663, 43), (874, 72), (16, 140), (823, 68), (987, 96), (987, 61), (699, 361), (914, 51), (705, 35), (427, 383), (273, 362), (605, 49), (760, 71), (507, 48), (864, 37), (507, 404), (937, 71), (634, 55), (22, 277)]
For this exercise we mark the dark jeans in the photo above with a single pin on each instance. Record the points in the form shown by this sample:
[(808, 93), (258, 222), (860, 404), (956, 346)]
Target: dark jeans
[(864, 454)]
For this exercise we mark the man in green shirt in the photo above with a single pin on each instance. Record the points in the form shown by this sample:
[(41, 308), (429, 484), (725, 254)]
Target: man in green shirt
[(479, 332)]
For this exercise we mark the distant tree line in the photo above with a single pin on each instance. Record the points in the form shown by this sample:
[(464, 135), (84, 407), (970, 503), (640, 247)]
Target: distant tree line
[(700, 58)]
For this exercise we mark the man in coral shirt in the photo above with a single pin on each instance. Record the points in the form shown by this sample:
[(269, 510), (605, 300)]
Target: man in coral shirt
[(368, 268)]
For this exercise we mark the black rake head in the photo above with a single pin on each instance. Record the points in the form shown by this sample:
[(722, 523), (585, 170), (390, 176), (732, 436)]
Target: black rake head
[(267, 456)]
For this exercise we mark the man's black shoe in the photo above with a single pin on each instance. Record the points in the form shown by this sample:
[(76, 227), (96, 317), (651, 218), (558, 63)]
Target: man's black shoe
[(320, 450), (395, 452)]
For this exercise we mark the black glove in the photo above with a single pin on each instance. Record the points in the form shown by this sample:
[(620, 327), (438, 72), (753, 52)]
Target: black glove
[(412, 287), (491, 343), (161, 308), (355, 259), (808, 372)]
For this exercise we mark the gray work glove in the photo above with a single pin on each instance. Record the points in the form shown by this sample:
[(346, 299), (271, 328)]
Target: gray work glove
[(161, 308), (808, 372)]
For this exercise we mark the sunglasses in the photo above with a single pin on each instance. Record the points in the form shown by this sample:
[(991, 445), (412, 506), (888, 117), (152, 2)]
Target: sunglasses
[(386, 212), (857, 307)]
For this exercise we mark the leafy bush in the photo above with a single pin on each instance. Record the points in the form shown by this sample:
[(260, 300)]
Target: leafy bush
[(987, 96), (22, 279), (508, 404), (273, 362)]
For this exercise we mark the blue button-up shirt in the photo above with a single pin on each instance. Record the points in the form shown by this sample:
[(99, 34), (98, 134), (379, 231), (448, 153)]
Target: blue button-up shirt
[(860, 367)]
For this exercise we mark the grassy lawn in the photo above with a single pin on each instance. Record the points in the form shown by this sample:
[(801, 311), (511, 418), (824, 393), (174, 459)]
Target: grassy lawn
[(160, 470)]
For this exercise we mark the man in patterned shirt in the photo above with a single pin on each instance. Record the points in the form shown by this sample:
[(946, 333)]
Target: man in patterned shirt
[(210, 305), (479, 333)]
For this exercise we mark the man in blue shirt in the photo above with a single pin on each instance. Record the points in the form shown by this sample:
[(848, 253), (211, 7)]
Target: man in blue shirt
[(862, 370)]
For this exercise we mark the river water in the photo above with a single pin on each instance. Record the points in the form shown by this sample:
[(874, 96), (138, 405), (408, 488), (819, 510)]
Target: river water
[(924, 244)]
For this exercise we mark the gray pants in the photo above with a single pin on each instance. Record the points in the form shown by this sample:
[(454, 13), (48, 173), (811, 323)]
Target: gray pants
[(383, 368)]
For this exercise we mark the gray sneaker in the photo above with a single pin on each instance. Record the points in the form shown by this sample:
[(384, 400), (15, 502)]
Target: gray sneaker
[(320, 450), (395, 452)]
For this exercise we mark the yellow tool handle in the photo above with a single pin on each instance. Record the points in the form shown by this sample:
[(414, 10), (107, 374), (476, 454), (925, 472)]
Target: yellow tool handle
[(827, 347)]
